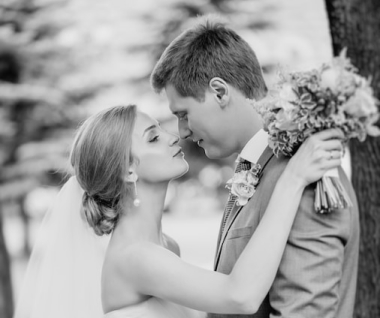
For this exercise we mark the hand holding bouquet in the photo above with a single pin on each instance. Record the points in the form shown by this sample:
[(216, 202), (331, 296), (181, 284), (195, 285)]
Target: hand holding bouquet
[(303, 103)]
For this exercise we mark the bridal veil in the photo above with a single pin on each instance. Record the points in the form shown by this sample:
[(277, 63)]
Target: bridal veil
[(64, 272)]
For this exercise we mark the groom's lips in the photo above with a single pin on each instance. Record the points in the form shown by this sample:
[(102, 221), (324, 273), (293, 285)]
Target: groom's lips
[(198, 141)]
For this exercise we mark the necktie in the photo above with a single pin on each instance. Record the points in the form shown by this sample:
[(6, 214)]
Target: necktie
[(243, 165)]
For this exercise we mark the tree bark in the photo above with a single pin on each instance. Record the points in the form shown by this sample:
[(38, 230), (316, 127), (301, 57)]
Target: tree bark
[(355, 24), (6, 299)]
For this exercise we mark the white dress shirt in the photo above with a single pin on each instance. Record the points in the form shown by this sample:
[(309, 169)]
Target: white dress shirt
[(255, 147)]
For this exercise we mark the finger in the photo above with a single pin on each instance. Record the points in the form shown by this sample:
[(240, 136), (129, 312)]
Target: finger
[(331, 164), (330, 134), (331, 145), (333, 154), (336, 154)]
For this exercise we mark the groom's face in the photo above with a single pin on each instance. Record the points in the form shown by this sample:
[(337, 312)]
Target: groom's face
[(205, 123)]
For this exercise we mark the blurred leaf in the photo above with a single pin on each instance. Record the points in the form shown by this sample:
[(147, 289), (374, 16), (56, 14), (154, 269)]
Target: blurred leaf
[(31, 93), (17, 189)]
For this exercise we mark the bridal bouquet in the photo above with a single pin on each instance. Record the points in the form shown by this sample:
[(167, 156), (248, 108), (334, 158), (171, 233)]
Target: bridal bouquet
[(303, 103)]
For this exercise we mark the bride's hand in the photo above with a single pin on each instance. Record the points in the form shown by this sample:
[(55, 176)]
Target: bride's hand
[(318, 154)]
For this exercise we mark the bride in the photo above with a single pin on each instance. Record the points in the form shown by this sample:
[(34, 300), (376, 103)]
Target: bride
[(123, 162)]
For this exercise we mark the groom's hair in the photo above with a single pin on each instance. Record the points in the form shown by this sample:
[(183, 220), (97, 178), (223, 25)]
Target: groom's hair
[(206, 50)]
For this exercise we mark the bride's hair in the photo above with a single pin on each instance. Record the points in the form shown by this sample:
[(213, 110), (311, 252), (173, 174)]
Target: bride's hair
[(101, 156)]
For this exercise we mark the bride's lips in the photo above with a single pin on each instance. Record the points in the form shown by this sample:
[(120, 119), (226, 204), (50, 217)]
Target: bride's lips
[(199, 142), (178, 152)]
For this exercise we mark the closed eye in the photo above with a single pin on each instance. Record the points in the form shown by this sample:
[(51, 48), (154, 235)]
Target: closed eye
[(154, 139), (182, 116)]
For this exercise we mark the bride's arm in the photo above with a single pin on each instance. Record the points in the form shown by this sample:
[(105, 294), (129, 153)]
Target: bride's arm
[(158, 272)]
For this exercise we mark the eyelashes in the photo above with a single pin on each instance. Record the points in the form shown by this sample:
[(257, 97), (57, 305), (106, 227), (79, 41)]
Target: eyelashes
[(154, 139), (182, 117)]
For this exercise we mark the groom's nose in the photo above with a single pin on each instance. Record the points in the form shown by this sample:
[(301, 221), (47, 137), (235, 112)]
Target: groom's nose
[(184, 130)]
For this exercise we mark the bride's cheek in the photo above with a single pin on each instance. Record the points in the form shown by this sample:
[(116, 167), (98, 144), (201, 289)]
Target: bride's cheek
[(152, 162)]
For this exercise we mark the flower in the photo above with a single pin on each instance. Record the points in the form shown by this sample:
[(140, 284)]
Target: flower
[(304, 103), (371, 127), (285, 117), (361, 104), (243, 184), (280, 106), (330, 79), (288, 93)]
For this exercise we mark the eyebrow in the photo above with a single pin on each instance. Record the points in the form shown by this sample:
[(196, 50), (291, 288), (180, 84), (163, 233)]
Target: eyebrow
[(149, 128)]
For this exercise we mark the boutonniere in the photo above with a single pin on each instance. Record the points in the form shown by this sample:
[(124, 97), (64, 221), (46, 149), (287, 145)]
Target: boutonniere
[(243, 184)]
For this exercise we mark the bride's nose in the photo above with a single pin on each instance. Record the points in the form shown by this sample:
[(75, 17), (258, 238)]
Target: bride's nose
[(173, 140)]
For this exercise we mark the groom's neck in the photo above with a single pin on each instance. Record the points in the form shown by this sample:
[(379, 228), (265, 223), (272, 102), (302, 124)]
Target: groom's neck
[(249, 124)]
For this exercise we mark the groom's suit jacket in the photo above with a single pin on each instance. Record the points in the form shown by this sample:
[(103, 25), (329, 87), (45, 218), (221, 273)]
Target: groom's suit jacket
[(317, 274)]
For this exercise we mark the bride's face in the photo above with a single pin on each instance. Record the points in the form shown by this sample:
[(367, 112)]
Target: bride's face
[(159, 156)]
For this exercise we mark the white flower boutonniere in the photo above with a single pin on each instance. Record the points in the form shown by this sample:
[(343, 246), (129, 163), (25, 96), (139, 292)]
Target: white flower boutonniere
[(243, 184)]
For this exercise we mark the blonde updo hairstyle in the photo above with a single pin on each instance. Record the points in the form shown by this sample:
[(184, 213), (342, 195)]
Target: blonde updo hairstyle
[(101, 156)]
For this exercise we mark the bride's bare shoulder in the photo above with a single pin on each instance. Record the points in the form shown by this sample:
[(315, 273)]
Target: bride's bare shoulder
[(140, 253), (141, 261), (141, 248)]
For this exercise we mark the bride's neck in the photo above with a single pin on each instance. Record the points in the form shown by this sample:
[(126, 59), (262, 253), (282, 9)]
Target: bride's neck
[(144, 222)]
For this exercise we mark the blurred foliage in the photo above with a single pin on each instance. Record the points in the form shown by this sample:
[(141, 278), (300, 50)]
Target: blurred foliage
[(173, 19), (61, 60), (41, 82), (169, 21), (35, 112), (58, 58), (51, 71)]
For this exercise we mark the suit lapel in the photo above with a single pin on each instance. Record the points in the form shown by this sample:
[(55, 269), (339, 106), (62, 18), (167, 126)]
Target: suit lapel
[(263, 160), (221, 225)]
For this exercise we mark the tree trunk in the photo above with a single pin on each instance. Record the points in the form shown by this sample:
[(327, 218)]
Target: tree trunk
[(6, 300), (355, 24)]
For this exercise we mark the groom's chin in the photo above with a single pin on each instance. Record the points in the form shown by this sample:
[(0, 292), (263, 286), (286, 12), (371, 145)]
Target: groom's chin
[(214, 154)]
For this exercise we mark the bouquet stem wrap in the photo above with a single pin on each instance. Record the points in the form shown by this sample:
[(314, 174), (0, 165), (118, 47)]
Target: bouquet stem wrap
[(330, 193)]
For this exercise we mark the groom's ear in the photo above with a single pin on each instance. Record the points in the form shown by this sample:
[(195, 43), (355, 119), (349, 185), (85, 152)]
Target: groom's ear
[(220, 89)]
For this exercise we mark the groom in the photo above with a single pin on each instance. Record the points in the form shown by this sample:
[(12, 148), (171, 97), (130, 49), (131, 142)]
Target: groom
[(208, 72)]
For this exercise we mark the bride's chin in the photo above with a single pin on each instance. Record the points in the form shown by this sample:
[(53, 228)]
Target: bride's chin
[(184, 170)]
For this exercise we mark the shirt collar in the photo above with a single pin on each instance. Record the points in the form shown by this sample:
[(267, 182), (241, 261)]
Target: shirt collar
[(255, 147)]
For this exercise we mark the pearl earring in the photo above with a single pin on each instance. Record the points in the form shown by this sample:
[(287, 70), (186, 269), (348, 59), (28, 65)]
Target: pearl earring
[(133, 178), (136, 201)]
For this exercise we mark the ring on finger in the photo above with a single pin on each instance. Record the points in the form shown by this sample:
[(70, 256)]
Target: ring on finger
[(335, 154)]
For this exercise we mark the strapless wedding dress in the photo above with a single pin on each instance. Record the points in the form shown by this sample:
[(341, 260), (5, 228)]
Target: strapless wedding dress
[(155, 308)]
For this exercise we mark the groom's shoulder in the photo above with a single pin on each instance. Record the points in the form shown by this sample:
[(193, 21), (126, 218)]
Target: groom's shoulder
[(274, 168)]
